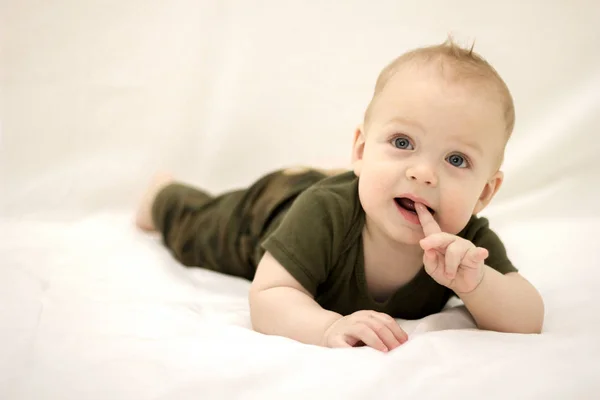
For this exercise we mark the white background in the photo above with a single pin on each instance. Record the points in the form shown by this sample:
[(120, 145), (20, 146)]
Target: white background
[(97, 95)]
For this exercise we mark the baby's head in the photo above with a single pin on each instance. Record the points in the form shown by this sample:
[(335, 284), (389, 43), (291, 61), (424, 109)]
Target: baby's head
[(435, 132)]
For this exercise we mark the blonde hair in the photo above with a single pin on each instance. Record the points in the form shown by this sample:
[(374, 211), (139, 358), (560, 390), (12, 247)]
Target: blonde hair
[(463, 64)]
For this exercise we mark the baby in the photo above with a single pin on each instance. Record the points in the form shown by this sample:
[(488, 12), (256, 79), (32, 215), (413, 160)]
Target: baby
[(335, 256)]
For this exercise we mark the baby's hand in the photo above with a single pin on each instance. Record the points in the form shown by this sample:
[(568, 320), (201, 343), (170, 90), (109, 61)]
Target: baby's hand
[(450, 260), (374, 329)]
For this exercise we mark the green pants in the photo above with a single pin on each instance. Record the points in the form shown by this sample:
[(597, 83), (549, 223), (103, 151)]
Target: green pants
[(223, 233)]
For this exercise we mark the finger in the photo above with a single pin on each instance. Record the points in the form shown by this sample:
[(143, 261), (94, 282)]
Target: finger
[(475, 256), (387, 329), (383, 332), (364, 333), (455, 253), (483, 253), (430, 261), (427, 222), (438, 241), (340, 341), (393, 326)]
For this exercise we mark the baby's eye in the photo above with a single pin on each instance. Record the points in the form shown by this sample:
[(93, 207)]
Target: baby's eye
[(457, 160), (402, 143)]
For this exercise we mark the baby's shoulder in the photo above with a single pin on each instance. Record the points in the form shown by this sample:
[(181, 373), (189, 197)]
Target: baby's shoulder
[(334, 198), (479, 232), (475, 228), (328, 209)]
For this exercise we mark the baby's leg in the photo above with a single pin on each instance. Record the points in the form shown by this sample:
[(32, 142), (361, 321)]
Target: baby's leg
[(301, 170), (188, 219), (143, 217)]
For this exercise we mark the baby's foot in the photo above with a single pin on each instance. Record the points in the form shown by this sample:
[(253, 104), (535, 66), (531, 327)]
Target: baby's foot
[(143, 217)]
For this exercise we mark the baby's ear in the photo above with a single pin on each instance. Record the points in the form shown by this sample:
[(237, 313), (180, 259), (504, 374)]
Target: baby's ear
[(489, 191), (358, 148)]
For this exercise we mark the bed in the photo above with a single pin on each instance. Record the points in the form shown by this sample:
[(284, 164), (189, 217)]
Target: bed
[(96, 96)]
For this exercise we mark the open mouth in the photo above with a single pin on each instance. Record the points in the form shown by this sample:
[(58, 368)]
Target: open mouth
[(409, 205)]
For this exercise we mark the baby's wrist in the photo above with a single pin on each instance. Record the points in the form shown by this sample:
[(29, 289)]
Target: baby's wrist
[(482, 274), (328, 327)]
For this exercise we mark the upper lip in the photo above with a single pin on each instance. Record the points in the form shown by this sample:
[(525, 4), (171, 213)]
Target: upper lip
[(416, 199)]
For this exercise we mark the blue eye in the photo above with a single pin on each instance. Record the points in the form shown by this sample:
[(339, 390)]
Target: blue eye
[(402, 143), (457, 160)]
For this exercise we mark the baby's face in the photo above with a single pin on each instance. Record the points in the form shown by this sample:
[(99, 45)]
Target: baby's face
[(432, 141)]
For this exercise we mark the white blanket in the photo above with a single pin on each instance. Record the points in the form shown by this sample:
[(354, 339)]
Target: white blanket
[(97, 95)]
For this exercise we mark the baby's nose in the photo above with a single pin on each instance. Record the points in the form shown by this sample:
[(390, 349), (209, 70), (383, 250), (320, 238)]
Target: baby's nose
[(422, 174)]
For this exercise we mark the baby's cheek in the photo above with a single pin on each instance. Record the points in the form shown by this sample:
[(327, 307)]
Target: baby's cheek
[(454, 216), (369, 194)]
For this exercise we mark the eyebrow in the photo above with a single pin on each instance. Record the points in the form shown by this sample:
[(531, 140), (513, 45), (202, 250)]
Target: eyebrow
[(474, 146), (406, 121)]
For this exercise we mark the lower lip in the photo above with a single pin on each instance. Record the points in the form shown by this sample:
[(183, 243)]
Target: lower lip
[(409, 216)]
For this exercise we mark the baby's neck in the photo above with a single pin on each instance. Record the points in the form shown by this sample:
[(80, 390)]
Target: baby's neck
[(387, 248), (389, 265)]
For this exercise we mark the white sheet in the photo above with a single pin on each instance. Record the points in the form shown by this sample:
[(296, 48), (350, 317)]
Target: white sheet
[(97, 95), (92, 309)]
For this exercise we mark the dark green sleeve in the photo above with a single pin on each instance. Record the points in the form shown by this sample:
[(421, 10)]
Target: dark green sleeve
[(483, 236), (304, 241)]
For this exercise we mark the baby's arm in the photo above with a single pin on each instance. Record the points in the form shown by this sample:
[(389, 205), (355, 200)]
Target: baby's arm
[(505, 303), (281, 306), (498, 302)]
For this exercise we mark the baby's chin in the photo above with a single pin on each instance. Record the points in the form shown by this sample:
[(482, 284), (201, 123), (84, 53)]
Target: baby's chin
[(414, 241), (409, 237)]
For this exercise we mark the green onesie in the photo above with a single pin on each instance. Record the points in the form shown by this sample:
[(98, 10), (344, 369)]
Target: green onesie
[(312, 225)]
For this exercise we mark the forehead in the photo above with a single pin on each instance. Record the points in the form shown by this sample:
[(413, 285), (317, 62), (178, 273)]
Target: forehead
[(455, 108)]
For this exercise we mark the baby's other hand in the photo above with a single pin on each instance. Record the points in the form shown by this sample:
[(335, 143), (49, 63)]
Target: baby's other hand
[(377, 330), (450, 260)]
